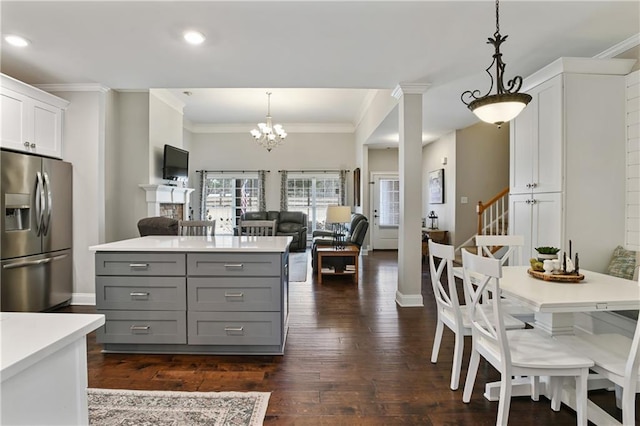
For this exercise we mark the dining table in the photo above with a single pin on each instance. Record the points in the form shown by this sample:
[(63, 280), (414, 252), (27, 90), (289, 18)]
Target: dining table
[(554, 304)]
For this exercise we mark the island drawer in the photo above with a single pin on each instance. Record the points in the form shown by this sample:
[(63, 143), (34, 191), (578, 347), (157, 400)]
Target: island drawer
[(233, 294), (143, 327), (234, 328), (234, 264), (141, 293), (160, 264)]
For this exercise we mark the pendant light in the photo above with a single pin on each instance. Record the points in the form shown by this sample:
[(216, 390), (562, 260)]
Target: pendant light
[(506, 103)]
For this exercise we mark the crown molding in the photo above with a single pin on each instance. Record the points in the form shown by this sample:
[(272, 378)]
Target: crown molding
[(75, 87), (366, 104), (620, 48), (168, 98), (289, 128), (409, 89)]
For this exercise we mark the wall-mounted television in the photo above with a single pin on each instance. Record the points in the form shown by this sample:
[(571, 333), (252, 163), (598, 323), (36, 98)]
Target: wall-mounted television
[(175, 165)]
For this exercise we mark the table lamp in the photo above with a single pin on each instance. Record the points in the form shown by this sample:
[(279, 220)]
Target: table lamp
[(338, 216)]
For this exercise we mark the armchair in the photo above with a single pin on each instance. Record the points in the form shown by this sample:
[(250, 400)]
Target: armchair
[(292, 224), (356, 231)]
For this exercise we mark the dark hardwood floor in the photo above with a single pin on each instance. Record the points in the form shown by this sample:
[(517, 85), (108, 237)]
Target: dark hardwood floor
[(353, 357)]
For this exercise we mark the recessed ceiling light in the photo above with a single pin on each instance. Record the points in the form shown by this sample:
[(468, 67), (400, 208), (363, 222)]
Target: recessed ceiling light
[(16, 40), (194, 37)]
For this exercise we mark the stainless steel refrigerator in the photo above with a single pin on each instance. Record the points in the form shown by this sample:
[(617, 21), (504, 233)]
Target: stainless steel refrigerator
[(35, 232)]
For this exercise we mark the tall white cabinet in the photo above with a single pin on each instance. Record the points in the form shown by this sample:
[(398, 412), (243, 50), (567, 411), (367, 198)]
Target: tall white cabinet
[(31, 118), (567, 152)]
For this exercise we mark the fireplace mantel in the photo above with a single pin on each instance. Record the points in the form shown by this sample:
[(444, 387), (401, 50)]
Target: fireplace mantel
[(165, 194)]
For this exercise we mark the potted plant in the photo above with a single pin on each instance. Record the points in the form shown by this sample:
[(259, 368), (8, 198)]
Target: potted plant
[(545, 253)]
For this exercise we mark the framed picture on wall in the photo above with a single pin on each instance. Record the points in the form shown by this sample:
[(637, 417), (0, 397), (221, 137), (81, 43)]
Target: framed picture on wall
[(436, 187)]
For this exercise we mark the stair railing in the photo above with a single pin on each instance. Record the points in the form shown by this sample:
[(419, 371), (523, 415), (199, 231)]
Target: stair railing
[(492, 215), (492, 219)]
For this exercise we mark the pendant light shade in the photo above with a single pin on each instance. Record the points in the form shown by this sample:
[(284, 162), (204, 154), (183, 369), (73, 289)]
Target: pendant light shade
[(507, 102), (499, 109)]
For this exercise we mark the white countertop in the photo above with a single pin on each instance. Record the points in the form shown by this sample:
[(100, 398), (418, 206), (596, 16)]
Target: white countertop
[(26, 338), (222, 243)]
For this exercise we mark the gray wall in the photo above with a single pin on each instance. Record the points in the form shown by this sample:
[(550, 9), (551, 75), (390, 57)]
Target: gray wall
[(432, 155), (130, 166), (300, 151), (482, 170)]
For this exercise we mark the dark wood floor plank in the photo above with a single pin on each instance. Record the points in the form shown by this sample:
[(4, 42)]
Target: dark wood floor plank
[(353, 357)]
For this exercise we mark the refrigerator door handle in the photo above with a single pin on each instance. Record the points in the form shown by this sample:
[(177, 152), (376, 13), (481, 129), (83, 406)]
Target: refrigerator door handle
[(28, 263), (47, 217), (33, 262), (39, 203)]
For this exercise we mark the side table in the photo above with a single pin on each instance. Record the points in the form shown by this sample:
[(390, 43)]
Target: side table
[(348, 251), (437, 235)]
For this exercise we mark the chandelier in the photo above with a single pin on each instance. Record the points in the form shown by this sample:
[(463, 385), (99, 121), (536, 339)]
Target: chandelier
[(267, 134), (507, 103)]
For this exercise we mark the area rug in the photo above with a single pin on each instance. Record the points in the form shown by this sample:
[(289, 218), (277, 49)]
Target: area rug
[(298, 267), (109, 407)]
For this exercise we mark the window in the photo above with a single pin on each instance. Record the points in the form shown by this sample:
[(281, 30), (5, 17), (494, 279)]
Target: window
[(389, 202), (227, 197), (311, 194)]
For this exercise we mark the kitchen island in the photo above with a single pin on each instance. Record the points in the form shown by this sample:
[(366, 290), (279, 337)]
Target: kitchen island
[(194, 295), (43, 368)]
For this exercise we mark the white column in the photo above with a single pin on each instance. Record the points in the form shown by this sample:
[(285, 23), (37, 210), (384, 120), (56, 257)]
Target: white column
[(409, 292)]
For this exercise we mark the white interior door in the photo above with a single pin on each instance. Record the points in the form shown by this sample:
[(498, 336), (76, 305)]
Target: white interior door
[(386, 211)]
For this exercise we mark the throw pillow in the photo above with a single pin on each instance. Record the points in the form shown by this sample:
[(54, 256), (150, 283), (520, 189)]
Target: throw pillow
[(622, 263)]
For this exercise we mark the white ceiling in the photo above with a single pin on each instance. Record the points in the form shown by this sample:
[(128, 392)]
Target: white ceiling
[(349, 48)]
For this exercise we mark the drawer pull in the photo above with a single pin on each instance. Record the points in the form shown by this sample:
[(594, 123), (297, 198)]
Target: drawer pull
[(136, 294), (140, 328), (139, 265), (234, 329), (234, 265), (234, 295)]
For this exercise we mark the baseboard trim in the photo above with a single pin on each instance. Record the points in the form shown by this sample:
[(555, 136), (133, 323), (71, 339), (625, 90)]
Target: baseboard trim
[(409, 300), (83, 299)]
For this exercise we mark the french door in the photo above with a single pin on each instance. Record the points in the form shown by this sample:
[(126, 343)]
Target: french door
[(311, 194), (227, 197)]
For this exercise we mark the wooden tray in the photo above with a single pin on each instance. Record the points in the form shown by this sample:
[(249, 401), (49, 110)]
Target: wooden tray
[(568, 278)]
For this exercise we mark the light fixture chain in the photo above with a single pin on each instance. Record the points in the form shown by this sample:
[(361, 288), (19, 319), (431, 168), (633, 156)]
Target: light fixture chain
[(497, 16), (268, 104)]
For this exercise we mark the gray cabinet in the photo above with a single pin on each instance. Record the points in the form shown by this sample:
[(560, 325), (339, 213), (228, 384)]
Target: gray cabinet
[(196, 302)]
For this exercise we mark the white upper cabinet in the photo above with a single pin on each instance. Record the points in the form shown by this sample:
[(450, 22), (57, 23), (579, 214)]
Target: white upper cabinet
[(567, 168), (536, 142), (31, 119)]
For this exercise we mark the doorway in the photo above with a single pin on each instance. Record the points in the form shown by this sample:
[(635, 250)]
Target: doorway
[(386, 211)]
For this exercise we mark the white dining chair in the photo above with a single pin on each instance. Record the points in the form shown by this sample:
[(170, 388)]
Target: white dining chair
[(449, 311), (257, 228), (526, 352), (508, 249), (616, 358), (196, 227)]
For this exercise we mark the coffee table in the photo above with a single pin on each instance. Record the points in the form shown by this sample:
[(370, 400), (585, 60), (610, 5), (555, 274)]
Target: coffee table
[(347, 251)]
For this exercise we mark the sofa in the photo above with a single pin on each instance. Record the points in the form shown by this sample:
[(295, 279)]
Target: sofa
[(355, 233), (292, 224)]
